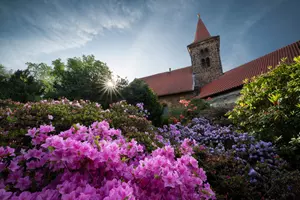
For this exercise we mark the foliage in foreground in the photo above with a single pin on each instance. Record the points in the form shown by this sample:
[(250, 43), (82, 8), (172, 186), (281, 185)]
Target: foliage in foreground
[(16, 118), (97, 163), (269, 107), (237, 165)]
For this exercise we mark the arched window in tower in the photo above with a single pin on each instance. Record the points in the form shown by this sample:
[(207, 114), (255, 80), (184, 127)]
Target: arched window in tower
[(206, 50), (208, 62), (203, 62), (201, 51)]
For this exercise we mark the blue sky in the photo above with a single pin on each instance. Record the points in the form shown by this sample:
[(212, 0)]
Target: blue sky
[(143, 37)]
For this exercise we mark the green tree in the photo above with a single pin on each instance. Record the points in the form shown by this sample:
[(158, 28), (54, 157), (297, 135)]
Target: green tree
[(138, 91), (84, 78), (21, 86), (42, 73)]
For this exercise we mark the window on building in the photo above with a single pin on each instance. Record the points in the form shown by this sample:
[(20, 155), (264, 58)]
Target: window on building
[(203, 62), (206, 50), (208, 62), (201, 51)]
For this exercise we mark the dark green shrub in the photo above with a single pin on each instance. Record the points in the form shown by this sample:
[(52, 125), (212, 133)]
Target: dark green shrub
[(229, 178), (216, 115), (21, 86), (291, 152), (138, 91), (201, 104)]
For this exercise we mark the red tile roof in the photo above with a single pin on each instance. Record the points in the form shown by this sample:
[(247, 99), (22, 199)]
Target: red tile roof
[(234, 78), (176, 81), (201, 31)]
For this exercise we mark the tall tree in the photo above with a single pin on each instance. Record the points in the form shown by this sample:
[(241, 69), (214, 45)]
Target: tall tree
[(42, 73), (83, 78), (21, 86)]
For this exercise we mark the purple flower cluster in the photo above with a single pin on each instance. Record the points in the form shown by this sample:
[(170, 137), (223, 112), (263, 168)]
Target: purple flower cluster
[(97, 162), (222, 140), (142, 110)]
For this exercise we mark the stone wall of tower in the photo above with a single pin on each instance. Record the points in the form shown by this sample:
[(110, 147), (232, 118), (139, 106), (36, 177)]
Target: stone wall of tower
[(201, 51)]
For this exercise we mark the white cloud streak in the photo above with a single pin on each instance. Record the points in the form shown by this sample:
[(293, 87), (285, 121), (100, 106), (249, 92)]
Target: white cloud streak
[(32, 29)]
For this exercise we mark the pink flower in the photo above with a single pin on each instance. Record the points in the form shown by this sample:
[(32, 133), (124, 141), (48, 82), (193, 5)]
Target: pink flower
[(99, 163), (14, 176), (5, 195), (13, 166), (32, 132), (2, 166), (23, 183), (170, 179), (25, 196), (38, 176), (46, 128), (10, 151)]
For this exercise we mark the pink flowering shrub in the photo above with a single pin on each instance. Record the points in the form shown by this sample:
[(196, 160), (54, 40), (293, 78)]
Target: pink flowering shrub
[(16, 118), (97, 162)]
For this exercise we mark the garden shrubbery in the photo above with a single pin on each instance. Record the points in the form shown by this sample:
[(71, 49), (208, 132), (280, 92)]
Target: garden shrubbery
[(216, 115), (138, 91), (237, 165), (97, 162), (16, 118), (186, 110), (269, 107), (61, 149)]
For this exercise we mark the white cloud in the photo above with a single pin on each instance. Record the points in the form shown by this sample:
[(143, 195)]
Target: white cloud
[(58, 25)]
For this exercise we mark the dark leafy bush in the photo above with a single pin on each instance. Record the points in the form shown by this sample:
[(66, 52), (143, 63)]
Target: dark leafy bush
[(232, 179), (21, 86), (138, 91), (291, 152), (216, 115), (238, 166)]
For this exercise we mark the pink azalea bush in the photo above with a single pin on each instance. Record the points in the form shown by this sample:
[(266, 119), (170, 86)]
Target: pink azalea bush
[(97, 162)]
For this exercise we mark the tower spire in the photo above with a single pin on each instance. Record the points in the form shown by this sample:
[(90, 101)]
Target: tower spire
[(201, 31)]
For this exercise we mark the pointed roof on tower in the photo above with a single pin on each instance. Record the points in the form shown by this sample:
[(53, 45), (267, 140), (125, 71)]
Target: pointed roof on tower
[(201, 31)]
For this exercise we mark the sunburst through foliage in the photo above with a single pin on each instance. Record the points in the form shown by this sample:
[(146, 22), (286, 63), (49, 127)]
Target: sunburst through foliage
[(110, 87)]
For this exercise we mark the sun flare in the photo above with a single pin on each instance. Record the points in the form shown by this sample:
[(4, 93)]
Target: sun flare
[(109, 87)]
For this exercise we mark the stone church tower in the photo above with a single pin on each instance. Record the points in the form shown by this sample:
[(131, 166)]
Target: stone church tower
[(205, 56)]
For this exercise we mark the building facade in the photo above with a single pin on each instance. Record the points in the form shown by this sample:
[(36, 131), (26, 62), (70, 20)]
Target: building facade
[(205, 77)]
